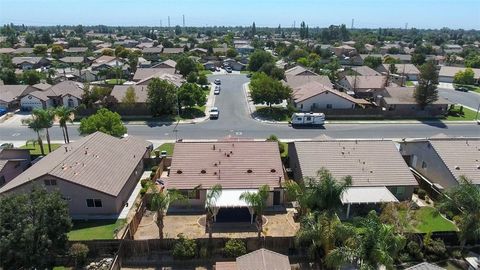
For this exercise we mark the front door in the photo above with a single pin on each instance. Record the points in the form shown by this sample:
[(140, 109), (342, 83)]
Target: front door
[(276, 197)]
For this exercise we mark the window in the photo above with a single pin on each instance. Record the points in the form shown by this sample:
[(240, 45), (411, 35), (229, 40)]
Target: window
[(329, 106), (424, 165), (308, 119), (400, 191), (2, 180), (94, 203), (50, 182), (191, 194), (301, 106)]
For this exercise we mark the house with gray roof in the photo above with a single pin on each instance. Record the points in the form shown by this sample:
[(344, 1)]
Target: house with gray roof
[(379, 173), (13, 161), (95, 175), (10, 95), (447, 73), (30, 62), (261, 259), (363, 86), (444, 161), (66, 93)]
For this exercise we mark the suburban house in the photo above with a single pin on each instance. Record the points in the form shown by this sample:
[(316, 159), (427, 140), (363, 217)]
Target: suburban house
[(344, 50), (24, 51), (141, 92), (442, 161), (152, 53), (314, 96), (410, 71), (175, 79), (261, 259), (142, 73), (13, 161), (365, 71), (173, 50), (10, 95), (299, 71), (66, 93), (95, 175), (238, 166), (399, 101), (447, 73), (72, 60), (379, 173), (363, 86), (30, 62), (75, 51), (402, 58), (166, 64), (452, 48), (244, 48), (107, 62)]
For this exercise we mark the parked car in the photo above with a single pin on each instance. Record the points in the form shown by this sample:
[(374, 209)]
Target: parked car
[(214, 113), (217, 90), (217, 69), (461, 88), (3, 111), (217, 82), (228, 69)]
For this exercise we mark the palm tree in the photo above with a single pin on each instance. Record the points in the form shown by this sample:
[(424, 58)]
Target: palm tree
[(64, 114), (161, 199), (320, 233), (212, 195), (463, 202), (376, 245), (257, 201), (45, 118), (36, 125), (321, 193)]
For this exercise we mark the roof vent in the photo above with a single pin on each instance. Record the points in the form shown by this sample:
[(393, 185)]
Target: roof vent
[(203, 171), (273, 170), (179, 172), (478, 167), (215, 164), (249, 171), (457, 167), (228, 155)]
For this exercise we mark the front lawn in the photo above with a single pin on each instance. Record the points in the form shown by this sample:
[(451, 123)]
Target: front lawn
[(166, 147), (273, 113), (95, 229), (409, 83), (35, 150), (427, 219), (192, 113), (115, 81), (456, 115)]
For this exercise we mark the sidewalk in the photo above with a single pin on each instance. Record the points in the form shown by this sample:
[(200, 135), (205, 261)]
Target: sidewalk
[(379, 122)]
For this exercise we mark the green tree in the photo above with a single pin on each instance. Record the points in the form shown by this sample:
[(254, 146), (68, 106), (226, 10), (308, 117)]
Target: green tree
[(36, 125), (185, 66), (108, 52), (33, 229), (79, 253), (426, 91), (463, 203), (258, 58), (202, 79), (265, 89), (104, 121), (273, 71), (231, 53), (8, 76), (418, 59), (257, 201), (160, 201), (57, 51), (161, 97), (235, 248), (254, 29), (212, 196), (372, 61), (190, 94), (130, 97), (64, 115), (184, 248), (46, 118), (40, 50), (391, 60), (392, 69), (377, 245), (472, 61), (192, 77), (466, 76), (178, 30), (31, 77), (297, 54)]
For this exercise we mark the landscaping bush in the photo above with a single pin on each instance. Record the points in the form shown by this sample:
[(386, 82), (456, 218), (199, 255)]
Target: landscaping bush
[(414, 250), (457, 254), (154, 168), (144, 183), (143, 190), (79, 252), (434, 248), (235, 248), (421, 194), (152, 175), (184, 248)]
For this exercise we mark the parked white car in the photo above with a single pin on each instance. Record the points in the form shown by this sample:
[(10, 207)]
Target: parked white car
[(214, 113)]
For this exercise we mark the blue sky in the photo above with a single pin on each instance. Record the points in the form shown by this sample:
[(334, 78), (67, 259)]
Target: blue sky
[(367, 13)]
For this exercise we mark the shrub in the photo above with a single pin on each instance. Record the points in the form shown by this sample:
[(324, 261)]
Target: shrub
[(143, 190), (202, 80), (434, 248), (234, 248), (154, 168), (414, 250), (184, 248), (144, 183), (152, 175), (79, 253), (457, 254), (421, 194)]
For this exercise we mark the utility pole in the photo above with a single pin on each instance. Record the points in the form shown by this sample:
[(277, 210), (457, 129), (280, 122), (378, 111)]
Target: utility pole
[(168, 21), (353, 20), (183, 21), (160, 23), (294, 25), (406, 26)]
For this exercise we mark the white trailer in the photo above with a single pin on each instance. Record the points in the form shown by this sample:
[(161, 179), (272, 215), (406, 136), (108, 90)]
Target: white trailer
[(308, 119)]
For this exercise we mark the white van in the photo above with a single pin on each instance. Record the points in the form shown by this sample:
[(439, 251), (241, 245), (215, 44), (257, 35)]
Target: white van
[(308, 119)]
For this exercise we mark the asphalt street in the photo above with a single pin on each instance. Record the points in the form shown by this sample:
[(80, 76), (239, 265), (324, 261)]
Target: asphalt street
[(235, 121), (469, 99)]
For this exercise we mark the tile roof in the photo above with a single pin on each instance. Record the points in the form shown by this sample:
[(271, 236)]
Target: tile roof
[(365, 71), (371, 163), (451, 71), (296, 81), (263, 259), (143, 73), (461, 156), (141, 92), (404, 95), (313, 89), (425, 266), (173, 50), (66, 88), (233, 164), (72, 59), (366, 82), (99, 162), (403, 68), (299, 70), (9, 93), (28, 59), (76, 49)]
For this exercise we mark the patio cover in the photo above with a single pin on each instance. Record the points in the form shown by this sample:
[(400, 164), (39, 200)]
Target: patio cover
[(359, 195), (231, 198)]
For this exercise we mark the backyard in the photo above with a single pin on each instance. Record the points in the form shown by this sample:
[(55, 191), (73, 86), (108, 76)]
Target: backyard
[(35, 148), (428, 219), (95, 229), (166, 147)]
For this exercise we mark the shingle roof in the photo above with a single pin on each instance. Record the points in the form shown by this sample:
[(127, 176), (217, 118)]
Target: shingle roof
[(296, 81), (403, 68), (461, 156), (404, 95), (175, 79), (366, 82), (143, 73), (451, 71), (76, 49), (141, 92), (233, 164), (365, 71), (40, 95), (66, 88), (28, 59), (72, 59), (313, 88), (173, 50), (263, 259), (9, 93), (98, 161), (370, 163), (152, 50), (299, 70)]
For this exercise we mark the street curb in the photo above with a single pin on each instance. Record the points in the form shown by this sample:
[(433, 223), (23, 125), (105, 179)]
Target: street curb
[(376, 122)]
